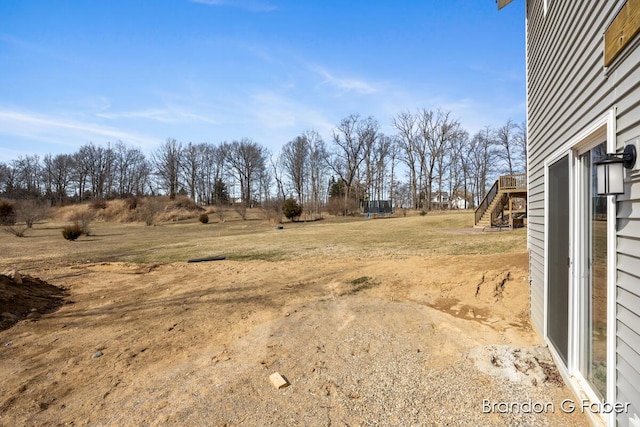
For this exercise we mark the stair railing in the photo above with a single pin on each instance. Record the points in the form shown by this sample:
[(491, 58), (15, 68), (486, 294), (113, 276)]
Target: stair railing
[(484, 204)]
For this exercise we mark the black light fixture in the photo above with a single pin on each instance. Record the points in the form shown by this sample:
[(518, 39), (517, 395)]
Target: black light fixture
[(610, 171)]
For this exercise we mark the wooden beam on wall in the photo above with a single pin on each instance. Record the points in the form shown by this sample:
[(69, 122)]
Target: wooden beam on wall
[(503, 3), (621, 31)]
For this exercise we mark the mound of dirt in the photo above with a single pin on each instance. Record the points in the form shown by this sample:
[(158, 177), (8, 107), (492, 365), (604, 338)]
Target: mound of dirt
[(25, 296)]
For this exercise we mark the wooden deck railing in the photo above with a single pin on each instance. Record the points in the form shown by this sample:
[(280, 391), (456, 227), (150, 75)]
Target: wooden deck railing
[(505, 182), (513, 182)]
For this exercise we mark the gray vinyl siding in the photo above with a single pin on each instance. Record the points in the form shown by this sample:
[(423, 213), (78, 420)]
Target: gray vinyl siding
[(568, 88), (564, 80)]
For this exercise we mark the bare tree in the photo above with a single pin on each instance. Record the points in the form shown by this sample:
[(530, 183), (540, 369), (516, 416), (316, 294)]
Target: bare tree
[(80, 174), (5, 177), (246, 161), (130, 171), (167, 165), (96, 165), (211, 171), (482, 161), (521, 145), (368, 133), (57, 175), (437, 129), (380, 161), (317, 161), (348, 154), (294, 159), (278, 172), (506, 138), (408, 136), (26, 177), (394, 152), (192, 161), (264, 181), (459, 167)]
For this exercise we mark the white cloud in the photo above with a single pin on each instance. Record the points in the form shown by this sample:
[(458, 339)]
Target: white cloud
[(60, 130), (171, 115), (345, 84)]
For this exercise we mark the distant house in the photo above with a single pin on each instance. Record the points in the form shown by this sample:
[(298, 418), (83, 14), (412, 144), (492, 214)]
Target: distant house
[(583, 102), (458, 201), (439, 200)]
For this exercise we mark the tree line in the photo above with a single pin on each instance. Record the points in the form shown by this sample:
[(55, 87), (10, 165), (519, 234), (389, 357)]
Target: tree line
[(429, 155)]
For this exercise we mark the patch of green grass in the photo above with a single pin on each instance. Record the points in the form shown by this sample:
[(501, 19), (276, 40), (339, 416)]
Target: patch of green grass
[(360, 284), (360, 280)]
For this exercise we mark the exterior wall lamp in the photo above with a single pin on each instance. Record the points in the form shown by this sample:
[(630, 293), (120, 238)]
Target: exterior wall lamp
[(610, 171)]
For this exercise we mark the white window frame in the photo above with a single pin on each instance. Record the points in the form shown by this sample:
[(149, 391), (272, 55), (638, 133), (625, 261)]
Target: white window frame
[(603, 127)]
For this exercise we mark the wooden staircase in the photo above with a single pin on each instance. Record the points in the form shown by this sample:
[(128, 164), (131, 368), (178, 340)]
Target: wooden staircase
[(499, 200)]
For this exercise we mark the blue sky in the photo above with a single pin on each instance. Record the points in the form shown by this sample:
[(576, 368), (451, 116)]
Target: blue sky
[(75, 72)]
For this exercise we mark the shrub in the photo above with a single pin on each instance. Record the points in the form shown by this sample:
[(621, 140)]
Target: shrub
[(221, 213), (335, 206), (423, 212), (151, 207), (132, 202), (72, 232), (16, 231), (116, 211), (30, 211), (291, 209), (82, 219), (7, 213), (203, 218), (241, 209), (272, 210), (185, 203), (97, 204)]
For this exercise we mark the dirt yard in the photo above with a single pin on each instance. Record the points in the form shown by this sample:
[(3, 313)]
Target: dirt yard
[(401, 321)]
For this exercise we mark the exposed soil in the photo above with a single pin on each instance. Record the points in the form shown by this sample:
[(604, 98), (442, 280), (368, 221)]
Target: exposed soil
[(362, 341), (28, 297)]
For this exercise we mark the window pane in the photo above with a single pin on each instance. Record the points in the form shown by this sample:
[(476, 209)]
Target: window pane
[(598, 290)]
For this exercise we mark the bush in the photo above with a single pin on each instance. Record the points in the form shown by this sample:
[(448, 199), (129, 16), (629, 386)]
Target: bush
[(184, 203), (30, 211), (98, 204), (272, 210), (82, 219), (423, 212), (151, 207), (291, 209), (72, 232), (335, 206), (131, 202), (241, 209), (7, 213), (203, 218), (221, 213), (16, 231)]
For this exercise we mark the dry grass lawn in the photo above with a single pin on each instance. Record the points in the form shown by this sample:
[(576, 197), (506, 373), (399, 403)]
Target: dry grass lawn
[(373, 322)]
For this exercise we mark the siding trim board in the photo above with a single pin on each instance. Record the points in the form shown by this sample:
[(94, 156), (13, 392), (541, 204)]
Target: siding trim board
[(621, 31), (572, 99)]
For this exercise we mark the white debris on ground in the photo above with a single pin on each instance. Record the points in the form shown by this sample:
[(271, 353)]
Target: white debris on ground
[(532, 365)]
